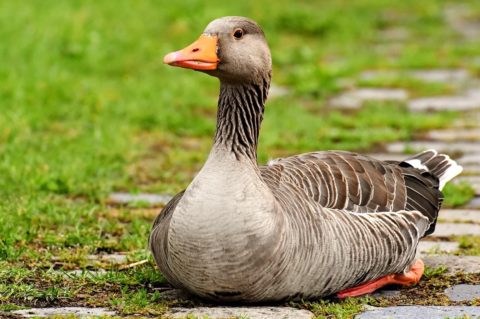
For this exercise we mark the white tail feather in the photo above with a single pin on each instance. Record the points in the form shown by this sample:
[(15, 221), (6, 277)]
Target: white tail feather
[(450, 173), (428, 160), (417, 164)]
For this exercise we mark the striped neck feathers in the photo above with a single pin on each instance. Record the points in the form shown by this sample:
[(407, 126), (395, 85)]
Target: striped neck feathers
[(239, 116)]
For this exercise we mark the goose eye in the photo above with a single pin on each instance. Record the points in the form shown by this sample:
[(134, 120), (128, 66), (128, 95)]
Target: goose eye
[(238, 34)]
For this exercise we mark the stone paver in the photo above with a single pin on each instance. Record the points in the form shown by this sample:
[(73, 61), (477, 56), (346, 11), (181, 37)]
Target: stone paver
[(433, 75), (452, 229), (472, 159), (473, 92), (463, 292), (460, 215), (471, 169), (464, 264), (448, 148), (115, 259), (354, 99), (395, 34), (426, 247), (474, 203), (423, 312), (444, 103), (441, 75), (369, 75), (456, 134), (127, 198), (80, 312), (459, 18), (249, 312), (470, 163)]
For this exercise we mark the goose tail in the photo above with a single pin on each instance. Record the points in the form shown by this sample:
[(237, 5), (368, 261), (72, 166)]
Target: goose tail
[(439, 165), (424, 187)]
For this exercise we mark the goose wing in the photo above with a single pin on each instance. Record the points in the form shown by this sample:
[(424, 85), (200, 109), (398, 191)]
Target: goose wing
[(356, 183), (362, 246)]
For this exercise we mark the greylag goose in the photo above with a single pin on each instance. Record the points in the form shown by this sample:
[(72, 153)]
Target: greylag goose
[(310, 225)]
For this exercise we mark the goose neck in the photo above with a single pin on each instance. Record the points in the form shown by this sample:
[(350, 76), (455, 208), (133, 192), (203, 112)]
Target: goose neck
[(239, 117)]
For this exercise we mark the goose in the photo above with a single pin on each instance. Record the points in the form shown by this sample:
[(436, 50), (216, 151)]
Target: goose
[(306, 226)]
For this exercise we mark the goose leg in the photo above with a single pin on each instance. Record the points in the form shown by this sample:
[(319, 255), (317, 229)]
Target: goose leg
[(407, 279)]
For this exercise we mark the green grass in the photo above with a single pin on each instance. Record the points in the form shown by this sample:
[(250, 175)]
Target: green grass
[(432, 272), (87, 108), (458, 194), (344, 309), (469, 245)]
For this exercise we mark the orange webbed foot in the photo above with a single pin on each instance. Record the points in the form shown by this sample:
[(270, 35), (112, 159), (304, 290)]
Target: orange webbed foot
[(410, 278)]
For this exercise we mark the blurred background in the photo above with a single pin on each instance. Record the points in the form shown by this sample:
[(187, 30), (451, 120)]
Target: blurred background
[(88, 108)]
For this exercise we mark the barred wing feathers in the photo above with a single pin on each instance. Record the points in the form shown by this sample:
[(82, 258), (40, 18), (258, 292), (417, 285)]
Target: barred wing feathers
[(357, 183)]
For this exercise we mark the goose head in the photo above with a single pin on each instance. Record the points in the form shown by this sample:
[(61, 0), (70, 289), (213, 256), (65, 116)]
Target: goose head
[(232, 49)]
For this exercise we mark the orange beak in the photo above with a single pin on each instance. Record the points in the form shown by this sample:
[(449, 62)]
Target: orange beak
[(200, 55)]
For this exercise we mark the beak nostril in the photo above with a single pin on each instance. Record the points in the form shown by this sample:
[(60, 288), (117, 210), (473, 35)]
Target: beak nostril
[(200, 55)]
